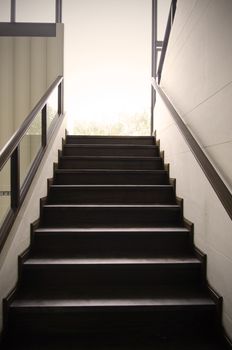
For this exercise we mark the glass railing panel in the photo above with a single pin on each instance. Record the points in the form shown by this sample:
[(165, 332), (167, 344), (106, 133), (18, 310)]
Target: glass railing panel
[(5, 191), (52, 108), (5, 11), (35, 11), (29, 146)]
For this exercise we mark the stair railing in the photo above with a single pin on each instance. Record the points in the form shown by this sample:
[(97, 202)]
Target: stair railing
[(42, 122), (220, 187), (159, 46)]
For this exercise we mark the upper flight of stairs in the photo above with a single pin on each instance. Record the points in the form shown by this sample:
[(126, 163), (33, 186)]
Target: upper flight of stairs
[(111, 263)]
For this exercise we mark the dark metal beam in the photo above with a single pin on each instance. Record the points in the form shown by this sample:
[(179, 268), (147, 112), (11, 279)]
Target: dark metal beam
[(28, 29)]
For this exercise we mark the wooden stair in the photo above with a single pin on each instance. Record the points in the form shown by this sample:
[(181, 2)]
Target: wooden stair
[(112, 263)]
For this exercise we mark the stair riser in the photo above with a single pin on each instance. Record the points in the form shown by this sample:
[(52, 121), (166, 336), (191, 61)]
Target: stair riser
[(110, 151), (110, 179), (106, 245), (159, 323), (110, 140), (68, 163), (98, 277), (89, 217), (70, 195)]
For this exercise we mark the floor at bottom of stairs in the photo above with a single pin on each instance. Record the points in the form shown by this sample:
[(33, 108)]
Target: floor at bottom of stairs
[(112, 343)]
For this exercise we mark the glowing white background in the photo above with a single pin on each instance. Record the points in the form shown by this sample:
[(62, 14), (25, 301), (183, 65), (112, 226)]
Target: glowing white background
[(107, 53)]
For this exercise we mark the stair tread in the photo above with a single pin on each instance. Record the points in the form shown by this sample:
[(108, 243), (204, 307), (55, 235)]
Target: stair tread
[(112, 157), (113, 145), (128, 302), (113, 261), (110, 136), (117, 171), (116, 229), (113, 186), (111, 206), (116, 342)]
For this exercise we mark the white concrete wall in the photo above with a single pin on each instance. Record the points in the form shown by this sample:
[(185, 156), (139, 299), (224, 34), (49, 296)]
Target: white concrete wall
[(19, 238), (197, 77), (200, 84)]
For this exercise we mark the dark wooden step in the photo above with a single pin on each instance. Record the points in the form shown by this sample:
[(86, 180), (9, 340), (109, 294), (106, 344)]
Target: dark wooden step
[(166, 317), (66, 277), (102, 162), (108, 176), (110, 150), (110, 260), (160, 295), (134, 140), (121, 242), (110, 215), (111, 194), (116, 341)]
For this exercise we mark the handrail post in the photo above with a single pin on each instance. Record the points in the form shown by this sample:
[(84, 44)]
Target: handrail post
[(44, 126), (61, 98), (13, 11), (58, 11), (15, 179), (154, 59)]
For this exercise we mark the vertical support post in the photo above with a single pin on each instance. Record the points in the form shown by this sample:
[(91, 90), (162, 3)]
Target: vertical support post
[(61, 98), (166, 38), (173, 7), (13, 11), (58, 11), (44, 126), (154, 59), (15, 179)]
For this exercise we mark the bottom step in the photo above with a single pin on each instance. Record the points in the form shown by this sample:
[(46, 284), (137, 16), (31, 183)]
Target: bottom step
[(118, 342), (160, 318)]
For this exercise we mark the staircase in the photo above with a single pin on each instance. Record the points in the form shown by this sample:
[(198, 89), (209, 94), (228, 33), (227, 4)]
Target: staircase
[(112, 263)]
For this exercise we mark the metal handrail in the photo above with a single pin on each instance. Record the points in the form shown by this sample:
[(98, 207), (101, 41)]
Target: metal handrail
[(12, 144), (11, 151), (223, 192), (221, 189)]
